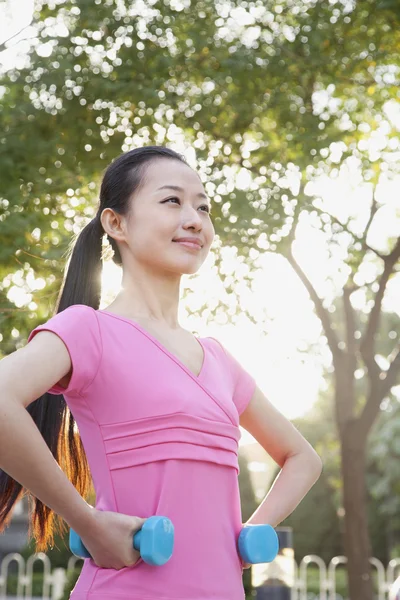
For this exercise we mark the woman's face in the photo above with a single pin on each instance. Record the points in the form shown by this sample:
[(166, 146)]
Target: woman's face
[(170, 204)]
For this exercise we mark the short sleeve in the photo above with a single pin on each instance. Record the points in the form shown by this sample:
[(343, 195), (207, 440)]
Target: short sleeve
[(78, 328), (244, 384)]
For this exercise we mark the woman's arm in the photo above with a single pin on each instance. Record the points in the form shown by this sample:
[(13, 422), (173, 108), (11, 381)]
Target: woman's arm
[(25, 375), (300, 464), (25, 456)]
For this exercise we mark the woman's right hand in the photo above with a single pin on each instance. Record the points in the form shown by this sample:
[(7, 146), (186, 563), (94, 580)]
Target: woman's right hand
[(109, 538)]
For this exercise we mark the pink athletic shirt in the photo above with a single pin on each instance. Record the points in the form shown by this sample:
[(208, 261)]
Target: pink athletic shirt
[(159, 441)]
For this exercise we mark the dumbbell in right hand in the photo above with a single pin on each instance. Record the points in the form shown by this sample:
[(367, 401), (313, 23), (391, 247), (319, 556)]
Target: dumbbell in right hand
[(154, 541)]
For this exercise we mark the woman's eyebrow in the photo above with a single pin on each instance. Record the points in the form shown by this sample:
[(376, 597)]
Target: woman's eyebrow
[(179, 189)]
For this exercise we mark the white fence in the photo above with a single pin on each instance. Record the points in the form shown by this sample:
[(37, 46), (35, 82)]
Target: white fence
[(327, 578), (54, 581)]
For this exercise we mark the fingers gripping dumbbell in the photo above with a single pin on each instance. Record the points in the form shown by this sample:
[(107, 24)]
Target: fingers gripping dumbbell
[(154, 541)]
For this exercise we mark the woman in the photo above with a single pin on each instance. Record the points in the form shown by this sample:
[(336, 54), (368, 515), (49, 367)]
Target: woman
[(158, 409)]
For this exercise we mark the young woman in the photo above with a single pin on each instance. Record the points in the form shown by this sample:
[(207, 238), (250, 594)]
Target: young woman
[(158, 409)]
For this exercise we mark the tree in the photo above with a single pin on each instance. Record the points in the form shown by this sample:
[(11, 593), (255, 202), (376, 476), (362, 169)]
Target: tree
[(317, 521), (277, 94), (383, 474)]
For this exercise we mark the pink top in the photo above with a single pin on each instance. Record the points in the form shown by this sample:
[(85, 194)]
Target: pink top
[(159, 441)]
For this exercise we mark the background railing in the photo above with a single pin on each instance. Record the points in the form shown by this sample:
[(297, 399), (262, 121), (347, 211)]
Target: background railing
[(54, 581)]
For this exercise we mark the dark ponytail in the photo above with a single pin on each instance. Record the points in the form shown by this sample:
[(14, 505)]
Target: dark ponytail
[(81, 285)]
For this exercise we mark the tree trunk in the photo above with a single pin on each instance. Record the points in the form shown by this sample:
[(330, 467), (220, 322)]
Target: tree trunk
[(356, 535)]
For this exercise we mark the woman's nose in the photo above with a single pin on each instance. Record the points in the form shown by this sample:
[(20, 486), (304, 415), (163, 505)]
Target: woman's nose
[(192, 219)]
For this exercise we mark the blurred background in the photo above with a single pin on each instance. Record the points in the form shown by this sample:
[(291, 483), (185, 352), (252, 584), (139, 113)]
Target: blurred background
[(290, 112)]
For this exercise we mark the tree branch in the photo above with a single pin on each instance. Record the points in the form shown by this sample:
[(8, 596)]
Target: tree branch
[(368, 247), (344, 226), (350, 328), (367, 342), (321, 311), (370, 412), (379, 389), (374, 208), (3, 45), (392, 374), (379, 386)]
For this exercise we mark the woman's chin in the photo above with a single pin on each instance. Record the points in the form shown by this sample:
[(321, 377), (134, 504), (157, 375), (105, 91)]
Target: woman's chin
[(188, 269)]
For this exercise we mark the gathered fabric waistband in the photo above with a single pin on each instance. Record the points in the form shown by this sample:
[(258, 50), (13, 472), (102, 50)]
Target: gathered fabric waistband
[(171, 436)]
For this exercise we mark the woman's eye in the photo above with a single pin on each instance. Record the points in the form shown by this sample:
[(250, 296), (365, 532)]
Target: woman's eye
[(207, 208)]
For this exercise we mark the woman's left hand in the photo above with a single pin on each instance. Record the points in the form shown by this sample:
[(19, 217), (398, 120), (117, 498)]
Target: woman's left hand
[(245, 565)]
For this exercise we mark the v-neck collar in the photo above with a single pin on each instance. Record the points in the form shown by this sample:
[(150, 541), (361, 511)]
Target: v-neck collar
[(161, 346)]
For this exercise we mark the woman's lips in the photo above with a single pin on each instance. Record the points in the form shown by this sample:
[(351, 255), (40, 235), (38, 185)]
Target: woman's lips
[(191, 245)]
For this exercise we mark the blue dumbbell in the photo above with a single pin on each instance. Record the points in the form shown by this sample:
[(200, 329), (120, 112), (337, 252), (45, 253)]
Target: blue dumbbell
[(154, 541), (258, 544)]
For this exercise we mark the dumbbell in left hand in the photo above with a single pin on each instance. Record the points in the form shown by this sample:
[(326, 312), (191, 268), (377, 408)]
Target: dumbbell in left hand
[(258, 544)]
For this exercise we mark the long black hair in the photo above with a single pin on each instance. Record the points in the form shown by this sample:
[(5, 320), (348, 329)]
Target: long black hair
[(81, 285)]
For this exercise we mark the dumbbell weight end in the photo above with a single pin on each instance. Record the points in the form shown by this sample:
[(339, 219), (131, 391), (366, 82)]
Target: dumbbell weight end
[(258, 544)]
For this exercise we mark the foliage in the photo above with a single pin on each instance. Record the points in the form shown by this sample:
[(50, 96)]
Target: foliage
[(37, 584), (316, 521), (277, 94), (383, 474), (247, 496), (70, 584), (58, 554), (108, 79)]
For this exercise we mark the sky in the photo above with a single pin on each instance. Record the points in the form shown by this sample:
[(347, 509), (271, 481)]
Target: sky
[(275, 352)]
